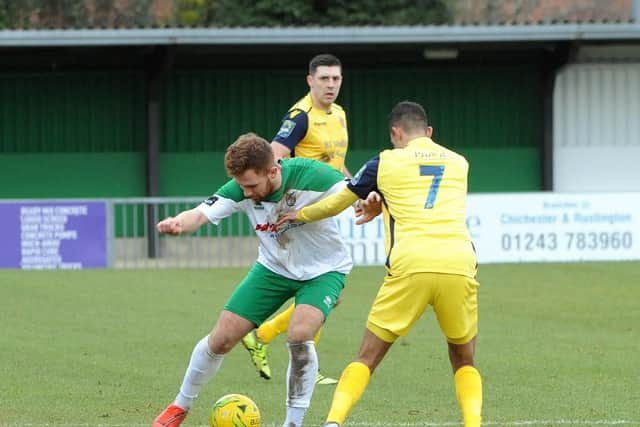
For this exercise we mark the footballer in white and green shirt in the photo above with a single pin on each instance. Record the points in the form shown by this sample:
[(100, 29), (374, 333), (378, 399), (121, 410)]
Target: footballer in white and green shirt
[(299, 252), (307, 262), (296, 252)]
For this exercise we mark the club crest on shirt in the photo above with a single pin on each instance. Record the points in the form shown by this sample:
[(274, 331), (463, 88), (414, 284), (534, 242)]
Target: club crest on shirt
[(286, 128), (343, 123), (290, 199)]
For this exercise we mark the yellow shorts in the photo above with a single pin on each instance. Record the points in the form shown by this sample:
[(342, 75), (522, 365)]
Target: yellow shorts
[(401, 301)]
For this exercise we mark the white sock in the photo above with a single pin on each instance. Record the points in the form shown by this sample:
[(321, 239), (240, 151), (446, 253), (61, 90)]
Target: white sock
[(294, 417), (301, 381), (202, 367)]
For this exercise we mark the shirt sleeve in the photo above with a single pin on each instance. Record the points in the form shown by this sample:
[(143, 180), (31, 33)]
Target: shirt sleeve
[(293, 128), (328, 206), (218, 207), (366, 180)]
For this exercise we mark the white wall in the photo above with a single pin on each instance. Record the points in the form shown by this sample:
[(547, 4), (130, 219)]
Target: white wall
[(596, 123)]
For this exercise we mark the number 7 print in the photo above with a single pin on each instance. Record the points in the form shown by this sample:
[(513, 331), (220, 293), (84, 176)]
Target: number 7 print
[(436, 172)]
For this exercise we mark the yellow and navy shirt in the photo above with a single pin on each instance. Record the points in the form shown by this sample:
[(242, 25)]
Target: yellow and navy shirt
[(315, 134), (424, 191)]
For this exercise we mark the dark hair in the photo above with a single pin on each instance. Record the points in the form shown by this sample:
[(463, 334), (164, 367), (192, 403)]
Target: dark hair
[(410, 116), (325, 59), (249, 151)]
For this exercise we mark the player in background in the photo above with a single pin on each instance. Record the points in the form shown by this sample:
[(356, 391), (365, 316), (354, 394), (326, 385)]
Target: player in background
[(430, 257), (285, 268), (315, 127)]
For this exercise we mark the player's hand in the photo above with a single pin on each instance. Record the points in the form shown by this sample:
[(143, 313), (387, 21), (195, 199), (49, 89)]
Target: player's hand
[(369, 208), (357, 207), (289, 216), (169, 225)]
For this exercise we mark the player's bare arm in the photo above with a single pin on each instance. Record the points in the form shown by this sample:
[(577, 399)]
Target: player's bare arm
[(185, 222), (280, 151), (329, 206)]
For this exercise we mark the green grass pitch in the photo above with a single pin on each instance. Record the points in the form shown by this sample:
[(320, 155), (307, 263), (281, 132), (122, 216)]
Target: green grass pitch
[(559, 344)]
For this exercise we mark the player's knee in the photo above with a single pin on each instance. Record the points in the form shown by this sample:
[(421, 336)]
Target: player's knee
[(300, 333), (221, 344), (461, 355)]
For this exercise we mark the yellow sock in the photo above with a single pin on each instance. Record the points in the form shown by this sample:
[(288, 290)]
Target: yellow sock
[(353, 382), (316, 339), (469, 394), (272, 328)]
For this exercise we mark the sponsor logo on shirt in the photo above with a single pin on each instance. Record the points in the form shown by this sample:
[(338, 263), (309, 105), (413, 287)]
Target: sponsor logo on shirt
[(258, 206), (273, 228), (267, 227), (325, 157)]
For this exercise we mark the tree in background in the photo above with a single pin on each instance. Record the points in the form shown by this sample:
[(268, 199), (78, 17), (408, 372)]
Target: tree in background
[(500, 11), (3, 15), (330, 12), (43, 14), (274, 13), (218, 13)]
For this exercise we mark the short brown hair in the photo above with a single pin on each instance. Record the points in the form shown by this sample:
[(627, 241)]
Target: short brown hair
[(324, 59), (249, 151)]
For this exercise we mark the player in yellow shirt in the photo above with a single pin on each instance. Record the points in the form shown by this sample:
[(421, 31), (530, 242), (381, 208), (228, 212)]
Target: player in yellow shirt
[(315, 127), (430, 256)]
